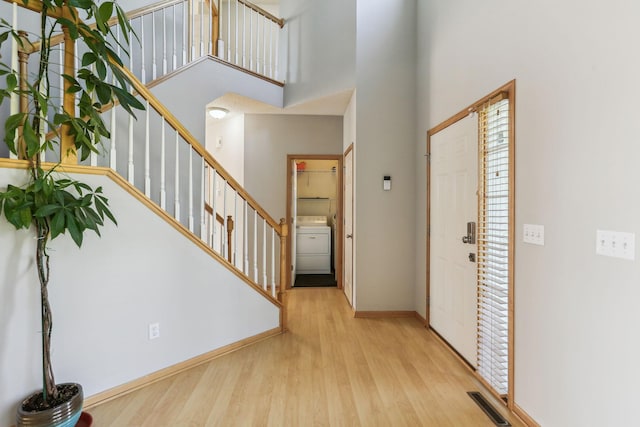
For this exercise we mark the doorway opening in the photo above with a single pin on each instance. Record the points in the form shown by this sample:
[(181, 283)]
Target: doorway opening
[(314, 212)]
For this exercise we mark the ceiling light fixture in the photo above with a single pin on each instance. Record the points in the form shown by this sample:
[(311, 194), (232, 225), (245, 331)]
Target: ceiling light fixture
[(217, 112)]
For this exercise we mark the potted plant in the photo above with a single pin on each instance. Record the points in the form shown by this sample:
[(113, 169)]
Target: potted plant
[(52, 203)]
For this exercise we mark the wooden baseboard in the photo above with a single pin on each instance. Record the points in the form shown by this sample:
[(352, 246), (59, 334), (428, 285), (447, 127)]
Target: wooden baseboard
[(383, 314), (421, 319), (526, 418), (162, 374)]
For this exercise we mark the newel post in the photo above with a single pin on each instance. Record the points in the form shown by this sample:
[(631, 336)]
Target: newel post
[(67, 144), (282, 291), (229, 238), (215, 27), (23, 103)]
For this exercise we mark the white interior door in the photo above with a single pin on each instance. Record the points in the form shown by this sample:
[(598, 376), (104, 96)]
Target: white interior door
[(348, 226), (294, 219), (453, 201)]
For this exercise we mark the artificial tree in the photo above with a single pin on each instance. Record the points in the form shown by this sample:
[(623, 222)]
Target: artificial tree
[(51, 202)]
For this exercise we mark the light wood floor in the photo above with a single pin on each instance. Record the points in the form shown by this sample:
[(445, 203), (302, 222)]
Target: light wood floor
[(329, 370)]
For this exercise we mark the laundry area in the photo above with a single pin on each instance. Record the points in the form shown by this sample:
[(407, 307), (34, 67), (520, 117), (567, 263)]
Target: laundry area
[(316, 196)]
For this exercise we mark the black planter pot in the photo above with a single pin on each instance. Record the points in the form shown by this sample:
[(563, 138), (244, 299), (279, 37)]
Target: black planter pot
[(64, 415)]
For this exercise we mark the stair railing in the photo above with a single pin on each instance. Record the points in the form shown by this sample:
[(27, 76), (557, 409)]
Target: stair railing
[(160, 158)]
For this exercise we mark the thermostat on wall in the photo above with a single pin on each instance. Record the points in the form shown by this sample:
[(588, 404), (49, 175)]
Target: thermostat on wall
[(386, 183)]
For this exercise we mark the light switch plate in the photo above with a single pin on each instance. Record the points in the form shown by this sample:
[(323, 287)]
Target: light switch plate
[(616, 244), (534, 234)]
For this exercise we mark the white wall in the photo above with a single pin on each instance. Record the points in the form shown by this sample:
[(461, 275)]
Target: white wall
[(385, 125), (577, 67), (230, 151), (105, 295), (268, 141), (189, 92), (318, 47)]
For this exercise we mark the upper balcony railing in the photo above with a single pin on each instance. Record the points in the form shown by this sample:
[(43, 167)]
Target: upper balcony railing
[(177, 32)]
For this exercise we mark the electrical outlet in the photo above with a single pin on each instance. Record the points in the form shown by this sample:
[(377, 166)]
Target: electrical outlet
[(534, 234), (154, 331)]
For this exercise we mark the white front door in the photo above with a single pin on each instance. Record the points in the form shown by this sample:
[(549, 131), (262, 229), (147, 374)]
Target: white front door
[(348, 226), (453, 203)]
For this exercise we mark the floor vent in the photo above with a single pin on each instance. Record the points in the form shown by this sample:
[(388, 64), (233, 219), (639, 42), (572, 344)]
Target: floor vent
[(488, 409)]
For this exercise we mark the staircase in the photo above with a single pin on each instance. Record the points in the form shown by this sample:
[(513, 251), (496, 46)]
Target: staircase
[(157, 160)]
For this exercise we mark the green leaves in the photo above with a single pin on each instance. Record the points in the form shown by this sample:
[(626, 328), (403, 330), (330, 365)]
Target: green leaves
[(64, 205)]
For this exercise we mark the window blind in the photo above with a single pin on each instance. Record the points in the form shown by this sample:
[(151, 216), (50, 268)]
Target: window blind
[(493, 245)]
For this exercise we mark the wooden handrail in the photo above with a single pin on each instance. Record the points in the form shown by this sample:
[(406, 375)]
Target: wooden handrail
[(209, 209), (263, 12)]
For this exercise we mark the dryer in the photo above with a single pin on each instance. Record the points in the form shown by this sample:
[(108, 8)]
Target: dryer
[(313, 245)]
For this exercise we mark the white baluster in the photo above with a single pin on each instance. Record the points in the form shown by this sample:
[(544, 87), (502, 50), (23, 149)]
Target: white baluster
[(192, 40), (191, 219), (277, 59), (236, 43), (229, 31), (14, 107), (264, 254), (147, 162), (130, 51), (225, 243), (244, 36), (131, 169), (203, 211), (235, 235), (258, 58), (163, 168), (273, 263), (154, 65), (245, 233), (143, 71), (176, 204), (264, 45), (75, 69), (255, 246), (270, 49), (113, 153), (61, 65), (214, 196), (210, 33), (175, 46), (185, 27), (250, 39), (201, 15)]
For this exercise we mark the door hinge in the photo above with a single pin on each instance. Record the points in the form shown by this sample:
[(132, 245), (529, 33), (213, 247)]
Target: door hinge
[(428, 156)]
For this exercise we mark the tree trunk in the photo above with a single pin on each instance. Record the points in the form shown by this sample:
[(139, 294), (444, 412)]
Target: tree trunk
[(49, 389)]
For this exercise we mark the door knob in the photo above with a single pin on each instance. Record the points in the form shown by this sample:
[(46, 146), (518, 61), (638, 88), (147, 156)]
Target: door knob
[(349, 236), (471, 234)]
